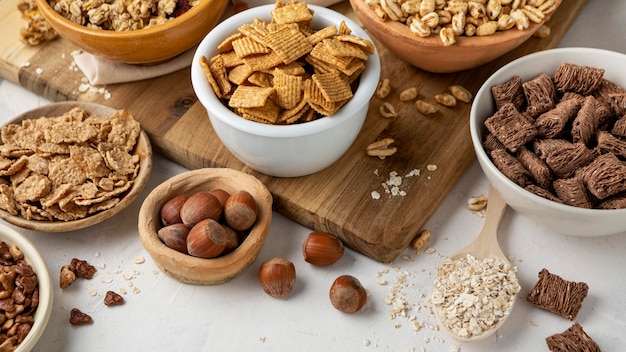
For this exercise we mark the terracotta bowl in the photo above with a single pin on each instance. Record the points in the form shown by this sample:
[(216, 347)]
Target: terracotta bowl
[(146, 46), (430, 54), (44, 282), (194, 270), (143, 149)]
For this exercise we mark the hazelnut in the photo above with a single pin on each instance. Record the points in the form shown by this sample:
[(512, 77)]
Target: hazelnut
[(200, 205), (347, 294), (170, 211), (207, 239), (241, 211), (322, 248), (174, 236), (221, 195), (277, 276), (232, 239)]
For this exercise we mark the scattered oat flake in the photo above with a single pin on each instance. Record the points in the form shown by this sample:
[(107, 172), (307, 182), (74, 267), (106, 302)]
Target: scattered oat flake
[(106, 280), (375, 195), (136, 290), (139, 260), (366, 342), (431, 167), (262, 339), (429, 250), (123, 291), (39, 70), (533, 323), (93, 292)]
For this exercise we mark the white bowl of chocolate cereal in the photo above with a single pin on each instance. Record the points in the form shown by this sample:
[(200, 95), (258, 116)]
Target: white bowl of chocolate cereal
[(279, 102), (549, 131)]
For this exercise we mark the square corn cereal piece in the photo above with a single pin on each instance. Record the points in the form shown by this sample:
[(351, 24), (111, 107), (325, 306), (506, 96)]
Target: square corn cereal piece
[(263, 62), (574, 339), (332, 87), (321, 52), (288, 89), (226, 45), (343, 49), (354, 69), (324, 33), (289, 116), (365, 44), (261, 79), (511, 127), (219, 73), (246, 46), (267, 113), (240, 74), (309, 115), (206, 68), (344, 29), (250, 97), (231, 59), (288, 43), (314, 96), (556, 295), (295, 68), (320, 66), (255, 31), (293, 12)]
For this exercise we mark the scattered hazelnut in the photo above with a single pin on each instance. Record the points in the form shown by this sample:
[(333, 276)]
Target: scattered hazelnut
[(241, 210), (170, 211), (200, 205), (277, 276), (347, 294), (322, 248), (207, 239), (174, 236)]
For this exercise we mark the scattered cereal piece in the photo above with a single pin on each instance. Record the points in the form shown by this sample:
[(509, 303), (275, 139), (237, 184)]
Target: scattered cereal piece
[(79, 318), (113, 299)]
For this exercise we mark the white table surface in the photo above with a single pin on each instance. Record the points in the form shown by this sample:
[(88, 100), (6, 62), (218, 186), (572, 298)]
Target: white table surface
[(165, 315)]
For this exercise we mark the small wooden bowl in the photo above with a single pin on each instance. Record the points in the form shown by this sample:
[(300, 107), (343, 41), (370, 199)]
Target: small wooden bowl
[(143, 149), (430, 54), (193, 270), (145, 46)]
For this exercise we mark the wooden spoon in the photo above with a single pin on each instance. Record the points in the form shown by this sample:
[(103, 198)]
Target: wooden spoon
[(485, 245)]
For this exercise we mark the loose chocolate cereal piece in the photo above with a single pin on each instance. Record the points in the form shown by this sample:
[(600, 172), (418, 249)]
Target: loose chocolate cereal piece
[(492, 143), (552, 123), (538, 169), (511, 167), (619, 128), (618, 103), (79, 318), (542, 192), (554, 294), (611, 94), (572, 191), (511, 127), (540, 94), (586, 121), (83, 269), (509, 92), (113, 299), (565, 161), (574, 339), (578, 78), (605, 176)]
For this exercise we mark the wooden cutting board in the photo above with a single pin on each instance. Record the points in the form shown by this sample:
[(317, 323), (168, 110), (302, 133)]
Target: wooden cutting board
[(338, 199)]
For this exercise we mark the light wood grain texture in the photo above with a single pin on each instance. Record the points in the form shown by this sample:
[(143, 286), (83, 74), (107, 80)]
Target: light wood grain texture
[(337, 199)]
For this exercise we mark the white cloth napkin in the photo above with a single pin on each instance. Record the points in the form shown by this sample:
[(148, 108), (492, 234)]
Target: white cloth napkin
[(101, 71)]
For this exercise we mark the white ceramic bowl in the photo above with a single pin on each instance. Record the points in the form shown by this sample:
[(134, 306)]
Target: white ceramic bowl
[(34, 259), (555, 217), (287, 150)]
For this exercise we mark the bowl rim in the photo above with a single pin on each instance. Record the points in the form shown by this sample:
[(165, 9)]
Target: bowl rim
[(44, 281), (129, 197), (46, 9), (434, 42), (476, 135), (208, 47)]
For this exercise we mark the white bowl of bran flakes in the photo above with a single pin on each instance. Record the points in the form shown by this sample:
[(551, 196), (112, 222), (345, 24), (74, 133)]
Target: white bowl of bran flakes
[(283, 150), (554, 216)]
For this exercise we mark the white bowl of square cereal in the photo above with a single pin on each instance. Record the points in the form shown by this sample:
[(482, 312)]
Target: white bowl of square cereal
[(65, 166), (549, 131), (281, 101)]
